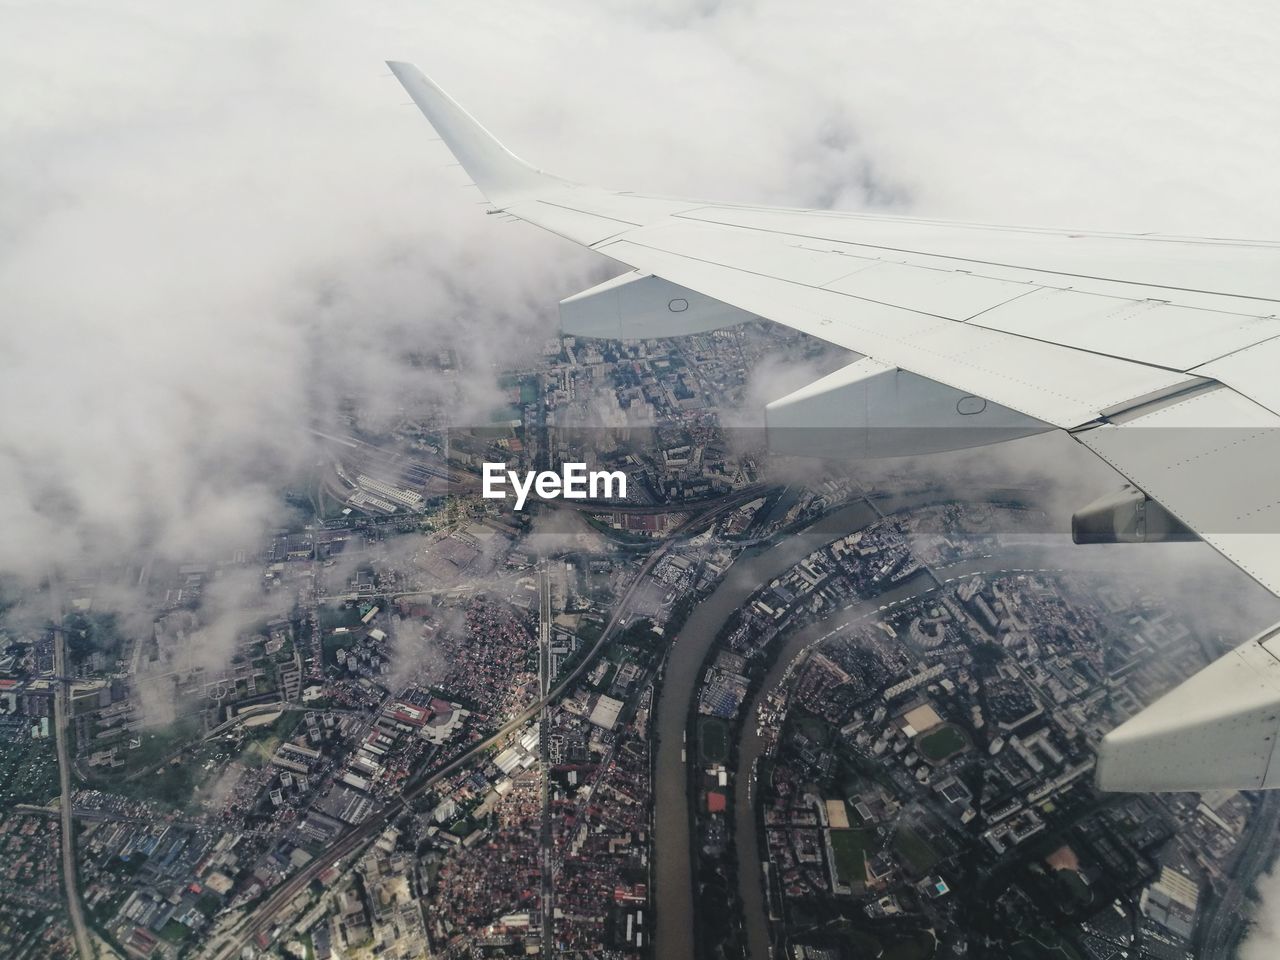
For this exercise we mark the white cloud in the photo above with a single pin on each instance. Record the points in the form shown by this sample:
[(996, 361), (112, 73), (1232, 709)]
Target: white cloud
[(216, 222), (1263, 938)]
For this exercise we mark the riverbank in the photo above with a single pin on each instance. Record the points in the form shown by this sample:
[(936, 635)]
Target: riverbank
[(673, 869)]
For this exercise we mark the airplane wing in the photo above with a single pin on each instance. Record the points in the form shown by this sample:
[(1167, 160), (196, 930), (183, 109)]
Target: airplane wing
[(1158, 353)]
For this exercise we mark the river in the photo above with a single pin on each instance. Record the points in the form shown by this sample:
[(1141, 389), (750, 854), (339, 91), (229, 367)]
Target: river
[(673, 869), (751, 746)]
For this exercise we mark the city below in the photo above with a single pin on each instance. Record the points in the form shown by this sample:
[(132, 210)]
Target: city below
[(720, 707)]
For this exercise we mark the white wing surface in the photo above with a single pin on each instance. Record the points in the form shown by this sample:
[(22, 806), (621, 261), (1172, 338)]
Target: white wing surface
[(1158, 353)]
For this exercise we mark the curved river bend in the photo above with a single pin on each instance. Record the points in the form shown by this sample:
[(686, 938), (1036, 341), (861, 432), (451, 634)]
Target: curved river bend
[(673, 870)]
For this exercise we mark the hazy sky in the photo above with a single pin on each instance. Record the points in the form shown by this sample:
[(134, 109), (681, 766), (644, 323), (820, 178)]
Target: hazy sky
[(215, 221)]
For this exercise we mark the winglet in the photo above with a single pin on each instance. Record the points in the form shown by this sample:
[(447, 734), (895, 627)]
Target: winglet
[(500, 174)]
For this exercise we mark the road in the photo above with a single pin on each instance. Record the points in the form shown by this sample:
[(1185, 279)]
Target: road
[(752, 746), (61, 725), (106, 816), (260, 919), (546, 842), (1219, 930)]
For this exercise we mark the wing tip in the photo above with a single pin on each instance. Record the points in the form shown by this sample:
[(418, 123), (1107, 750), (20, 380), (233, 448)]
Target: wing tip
[(499, 173)]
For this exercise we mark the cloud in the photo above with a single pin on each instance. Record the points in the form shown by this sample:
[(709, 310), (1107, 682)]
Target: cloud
[(220, 227), (1263, 937), (233, 608), (217, 230), (554, 532), (199, 263)]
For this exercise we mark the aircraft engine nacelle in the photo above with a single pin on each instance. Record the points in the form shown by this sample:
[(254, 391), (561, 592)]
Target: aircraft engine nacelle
[(868, 409), (638, 306)]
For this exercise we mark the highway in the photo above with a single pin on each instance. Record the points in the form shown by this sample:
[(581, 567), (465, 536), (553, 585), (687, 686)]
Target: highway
[(1218, 931), (752, 746), (61, 725), (106, 816), (259, 920), (546, 842)]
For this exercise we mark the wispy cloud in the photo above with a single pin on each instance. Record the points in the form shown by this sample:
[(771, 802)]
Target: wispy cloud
[(219, 225)]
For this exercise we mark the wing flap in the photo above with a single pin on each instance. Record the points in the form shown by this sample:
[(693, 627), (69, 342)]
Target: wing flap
[(1213, 461), (1251, 372), (573, 222), (950, 294)]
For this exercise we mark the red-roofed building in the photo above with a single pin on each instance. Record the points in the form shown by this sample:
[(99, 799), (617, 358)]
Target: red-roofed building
[(408, 715), (634, 894)]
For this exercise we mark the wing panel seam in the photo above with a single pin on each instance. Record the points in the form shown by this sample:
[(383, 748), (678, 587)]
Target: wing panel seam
[(922, 313), (991, 263)]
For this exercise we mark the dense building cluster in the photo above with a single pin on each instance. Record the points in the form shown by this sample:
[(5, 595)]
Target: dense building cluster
[(416, 724), (936, 754), (33, 919)]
